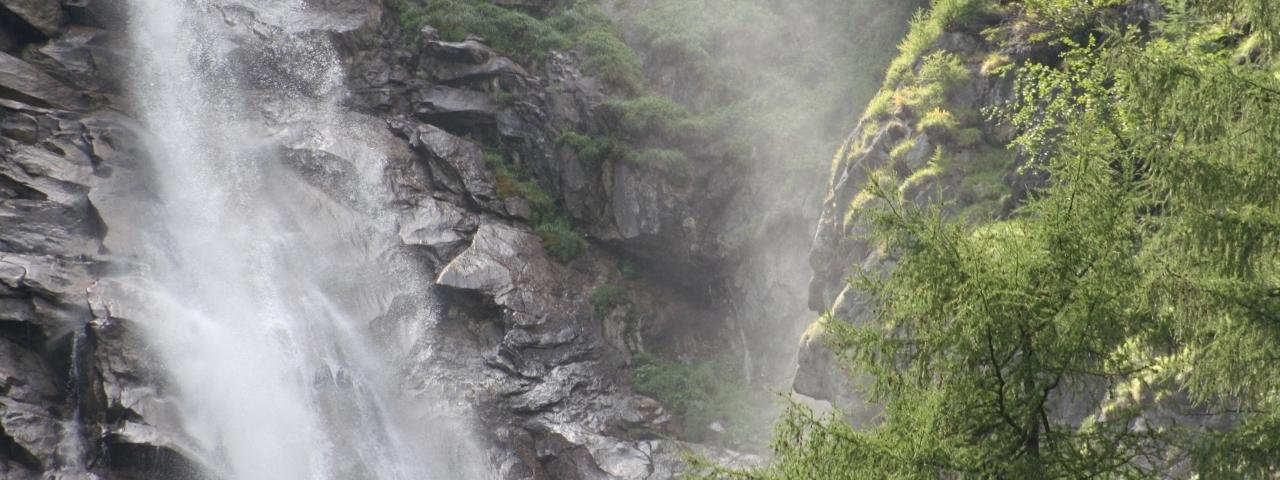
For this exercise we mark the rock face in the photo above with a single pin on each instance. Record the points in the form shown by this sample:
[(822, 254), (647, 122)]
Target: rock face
[(898, 141), (31, 85), (77, 394), (47, 17), (517, 338)]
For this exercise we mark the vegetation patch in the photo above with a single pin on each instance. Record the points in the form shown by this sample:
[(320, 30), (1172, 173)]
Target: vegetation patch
[(515, 32), (607, 297), (702, 395), (646, 116), (559, 237), (588, 148), (506, 30)]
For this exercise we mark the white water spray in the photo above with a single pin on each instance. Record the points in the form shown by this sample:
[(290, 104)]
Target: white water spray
[(260, 280)]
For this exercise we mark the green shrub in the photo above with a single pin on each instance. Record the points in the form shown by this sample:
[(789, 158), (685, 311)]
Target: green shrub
[(612, 60), (1059, 18), (701, 394), (559, 238), (506, 30), (938, 123), (514, 183), (411, 17), (588, 148), (943, 68), (607, 297), (925, 30), (516, 33), (647, 115)]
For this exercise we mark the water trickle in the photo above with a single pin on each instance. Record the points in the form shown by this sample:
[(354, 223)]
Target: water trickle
[(269, 252), (71, 449)]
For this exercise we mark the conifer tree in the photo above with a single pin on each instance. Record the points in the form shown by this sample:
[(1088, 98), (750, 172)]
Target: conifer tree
[(1125, 321)]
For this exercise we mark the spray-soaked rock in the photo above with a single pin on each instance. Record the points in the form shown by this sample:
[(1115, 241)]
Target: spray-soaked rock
[(46, 16), (22, 82)]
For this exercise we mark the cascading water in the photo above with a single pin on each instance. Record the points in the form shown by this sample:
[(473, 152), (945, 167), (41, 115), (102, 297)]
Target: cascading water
[(268, 251)]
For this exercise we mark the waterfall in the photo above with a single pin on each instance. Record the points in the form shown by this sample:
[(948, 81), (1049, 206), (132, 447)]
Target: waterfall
[(267, 251)]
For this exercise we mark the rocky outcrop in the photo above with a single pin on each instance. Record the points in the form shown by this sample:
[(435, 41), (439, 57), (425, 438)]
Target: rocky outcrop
[(967, 169), (899, 142), (516, 337), (77, 395), (23, 82)]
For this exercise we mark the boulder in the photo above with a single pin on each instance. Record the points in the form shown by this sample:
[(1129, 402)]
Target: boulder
[(435, 224), (509, 265)]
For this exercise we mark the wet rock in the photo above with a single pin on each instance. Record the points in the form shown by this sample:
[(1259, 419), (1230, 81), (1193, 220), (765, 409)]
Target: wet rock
[(821, 375), (562, 459), (508, 264), (37, 226), (29, 431), (555, 387), (80, 56), (45, 15), (454, 109), (22, 82), (24, 376), (466, 62), (47, 276), (519, 208), (455, 163), (637, 202), (435, 224)]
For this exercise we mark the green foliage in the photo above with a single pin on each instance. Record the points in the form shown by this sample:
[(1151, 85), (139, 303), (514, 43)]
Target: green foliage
[(607, 297), (514, 32), (944, 69), (589, 148), (411, 17), (612, 60), (559, 237), (929, 90), (1065, 18), (927, 27), (1144, 278), (506, 30), (937, 122), (647, 115), (513, 183), (700, 394)]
